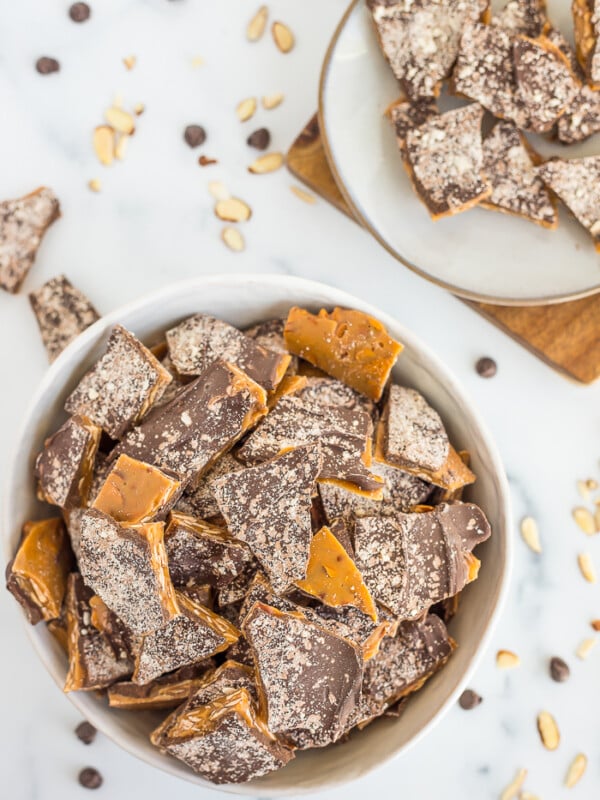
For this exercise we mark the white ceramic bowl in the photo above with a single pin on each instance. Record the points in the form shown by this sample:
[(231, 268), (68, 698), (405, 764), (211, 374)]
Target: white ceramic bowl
[(242, 300)]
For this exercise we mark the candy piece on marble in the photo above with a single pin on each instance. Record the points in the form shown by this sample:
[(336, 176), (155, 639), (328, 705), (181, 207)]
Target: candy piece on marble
[(127, 567), (122, 385), (165, 692), (189, 434), (224, 741), (586, 25), (349, 345), (198, 499), (135, 492), (269, 334), (526, 17), (308, 678), (23, 223), (199, 341), (268, 508), (65, 466)]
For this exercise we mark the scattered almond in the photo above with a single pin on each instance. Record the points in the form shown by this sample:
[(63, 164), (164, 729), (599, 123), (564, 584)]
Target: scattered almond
[(130, 61), (218, 190), (307, 197), (267, 163), (138, 109), (595, 623), (197, 61), (583, 490), (587, 568), (282, 36), (233, 239), (232, 209), (530, 534), (120, 120), (586, 647), (95, 185), (506, 659), (597, 519), (246, 109), (576, 770), (121, 146), (548, 730), (584, 518), (271, 101), (514, 787), (118, 100), (528, 796), (591, 484), (104, 144), (256, 26)]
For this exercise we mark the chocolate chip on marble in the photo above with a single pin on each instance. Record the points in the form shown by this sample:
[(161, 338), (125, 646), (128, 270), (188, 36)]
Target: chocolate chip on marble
[(260, 139), (79, 12), (90, 778), (469, 699), (46, 65), (85, 732), (486, 367), (194, 135), (559, 670)]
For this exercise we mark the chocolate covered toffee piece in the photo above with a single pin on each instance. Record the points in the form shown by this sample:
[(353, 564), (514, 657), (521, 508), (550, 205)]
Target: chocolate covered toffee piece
[(407, 114), (577, 183), (168, 691), (332, 392), (127, 567), (347, 344), (309, 678), (23, 223), (205, 420), (121, 387), (194, 634), (414, 560), (226, 679), (198, 499), (420, 39), (269, 335), (225, 741), (586, 22), (62, 313), (92, 661), (201, 340), (64, 467), (527, 17), (268, 508), (135, 492), (444, 160), (37, 576), (581, 118), (516, 187), (201, 553)]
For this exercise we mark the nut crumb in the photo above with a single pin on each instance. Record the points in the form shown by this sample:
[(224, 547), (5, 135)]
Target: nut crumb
[(307, 197), (586, 647), (245, 110), (584, 518), (530, 534), (233, 239), (95, 185), (576, 770), (256, 26), (271, 101), (548, 730), (130, 62), (267, 163), (506, 659), (586, 565), (514, 787), (283, 37)]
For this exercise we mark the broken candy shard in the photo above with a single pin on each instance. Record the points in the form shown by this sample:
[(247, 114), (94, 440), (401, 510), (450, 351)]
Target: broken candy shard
[(168, 691), (194, 634), (23, 223), (406, 114), (198, 499), (309, 678), (121, 387), (224, 741), (226, 679), (201, 340), (127, 567), (37, 576), (64, 467), (586, 24), (201, 423), (136, 492), (268, 507), (332, 576), (526, 17), (349, 345)]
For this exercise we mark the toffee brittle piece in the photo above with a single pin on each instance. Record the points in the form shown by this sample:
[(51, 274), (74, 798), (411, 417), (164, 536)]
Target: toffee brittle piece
[(117, 635), (225, 741), (64, 467), (332, 392), (581, 118), (233, 593), (526, 17), (198, 500), (406, 114), (205, 420), (165, 692), (346, 344), (586, 23), (268, 508), (127, 567), (37, 575), (62, 312), (23, 223), (201, 340), (269, 335), (444, 159), (223, 680), (509, 164), (308, 678), (121, 387)]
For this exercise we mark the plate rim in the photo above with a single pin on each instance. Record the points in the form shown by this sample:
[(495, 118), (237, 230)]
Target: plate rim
[(364, 222)]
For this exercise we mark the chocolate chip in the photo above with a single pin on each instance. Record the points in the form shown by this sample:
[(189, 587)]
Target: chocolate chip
[(259, 139), (559, 670), (486, 367), (469, 699), (90, 778), (45, 65), (79, 12), (86, 732), (195, 135)]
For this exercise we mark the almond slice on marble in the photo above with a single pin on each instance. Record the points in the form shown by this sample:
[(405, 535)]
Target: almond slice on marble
[(283, 37), (530, 534), (585, 519), (233, 239), (232, 209), (256, 26), (576, 770), (597, 519), (267, 163), (130, 61), (548, 730), (515, 786), (506, 659), (121, 146), (586, 647), (307, 197), (138, 109), (528, 796), (120, 120), (245, 110), (218, 190), (95, 185), (271, 101), (104, 144), (586, 565)]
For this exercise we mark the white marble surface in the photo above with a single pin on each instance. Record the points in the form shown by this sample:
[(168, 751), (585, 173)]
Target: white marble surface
[(152, 224)]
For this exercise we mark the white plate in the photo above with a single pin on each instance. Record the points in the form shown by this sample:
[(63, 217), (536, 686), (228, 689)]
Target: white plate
[(481, 255)]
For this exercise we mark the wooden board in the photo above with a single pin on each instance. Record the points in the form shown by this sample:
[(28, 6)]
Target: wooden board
[(565, 335)]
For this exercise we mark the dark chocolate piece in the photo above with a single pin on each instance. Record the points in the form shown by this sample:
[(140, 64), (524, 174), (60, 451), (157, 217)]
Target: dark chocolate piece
[(46, 65), (581, 118), (198, 500), (194, 135), (165, 692), (86, 732), (226, 679), (559, 670), (90, 778), (486, 367), (469, 700)]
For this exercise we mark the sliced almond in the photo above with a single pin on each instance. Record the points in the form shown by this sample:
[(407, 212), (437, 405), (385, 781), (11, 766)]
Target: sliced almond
[(197, 61), (597, 519), (246, 109), (584, 518), (233, 239), (583, 490), (530, 534), (95, 185), (104, 144), (595, 623), (591, 484), (506, 659), (307, 197), (120, 120), (218, 190), (514, 787), (118, 100), (138, 109), (576, 770), (258, 23), (528, 796), (121, 146), (267, 163), (130, 61), (586, 647), (586, 565), (282, 36), (548, 730), (271, 101), (232, 209)]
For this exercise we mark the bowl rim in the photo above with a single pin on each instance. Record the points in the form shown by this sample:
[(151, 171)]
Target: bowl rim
[(337, 297)]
